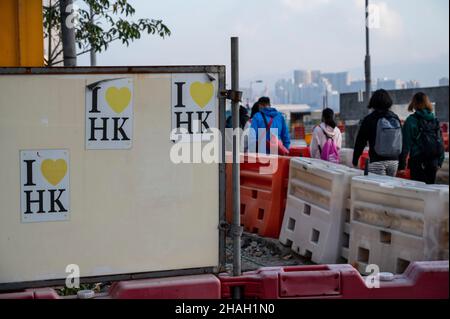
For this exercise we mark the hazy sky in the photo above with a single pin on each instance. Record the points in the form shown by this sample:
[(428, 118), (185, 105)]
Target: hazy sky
[(277, 36)]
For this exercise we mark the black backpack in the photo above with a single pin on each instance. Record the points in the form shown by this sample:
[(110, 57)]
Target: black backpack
[(429, 139)]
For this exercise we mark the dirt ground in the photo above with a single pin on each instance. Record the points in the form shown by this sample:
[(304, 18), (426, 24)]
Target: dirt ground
[(260, 252)]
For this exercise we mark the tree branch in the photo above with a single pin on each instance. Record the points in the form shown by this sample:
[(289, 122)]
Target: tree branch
[(56, 53), (89, 50), (53, 63)]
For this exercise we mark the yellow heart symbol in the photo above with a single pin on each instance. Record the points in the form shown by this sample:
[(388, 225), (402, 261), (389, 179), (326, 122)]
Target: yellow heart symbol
[(54, 171), (118, 99), (202, 93)]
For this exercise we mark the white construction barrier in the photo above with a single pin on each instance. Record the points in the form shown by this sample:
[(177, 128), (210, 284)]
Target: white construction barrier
[(345, 245), (346, 155), (395, 222), (444, 247), (442, 174), (316, 210)]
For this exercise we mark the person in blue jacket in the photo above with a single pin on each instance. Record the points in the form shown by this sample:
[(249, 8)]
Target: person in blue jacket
[(262, 119)]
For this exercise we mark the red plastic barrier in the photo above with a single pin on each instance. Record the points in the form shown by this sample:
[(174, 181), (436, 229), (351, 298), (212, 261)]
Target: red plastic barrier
[(263, 196), (299, 151), (44, 293), (422, 280), (405, 175), (362, 159), (299, 132), (187, 287)]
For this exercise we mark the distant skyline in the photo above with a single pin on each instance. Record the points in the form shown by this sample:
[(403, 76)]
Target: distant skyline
[(278, 36)]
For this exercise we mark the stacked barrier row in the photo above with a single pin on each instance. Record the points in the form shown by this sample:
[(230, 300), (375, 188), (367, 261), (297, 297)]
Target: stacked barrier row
[(314, 223), (395, 222)]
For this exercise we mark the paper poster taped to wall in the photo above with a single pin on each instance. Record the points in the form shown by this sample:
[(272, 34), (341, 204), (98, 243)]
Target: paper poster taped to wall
[(109, 114), (45, 187), (194, 104)]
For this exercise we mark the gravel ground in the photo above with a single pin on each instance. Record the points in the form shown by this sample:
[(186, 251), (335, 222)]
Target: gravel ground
[(260, 252)]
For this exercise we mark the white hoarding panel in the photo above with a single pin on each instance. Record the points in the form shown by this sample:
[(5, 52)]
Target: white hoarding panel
[(129, 207)]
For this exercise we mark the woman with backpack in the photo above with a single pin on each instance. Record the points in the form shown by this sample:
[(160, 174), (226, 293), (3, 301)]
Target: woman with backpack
[(422, 141), (382, 129), (326, 138)]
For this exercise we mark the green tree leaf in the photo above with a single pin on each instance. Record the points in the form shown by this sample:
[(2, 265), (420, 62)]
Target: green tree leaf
[(111, 20)]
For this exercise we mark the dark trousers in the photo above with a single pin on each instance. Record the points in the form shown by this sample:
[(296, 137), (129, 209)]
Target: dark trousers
[(423, 172)]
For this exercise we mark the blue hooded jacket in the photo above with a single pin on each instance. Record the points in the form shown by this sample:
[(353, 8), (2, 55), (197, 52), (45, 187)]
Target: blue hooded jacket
[(278, 123)]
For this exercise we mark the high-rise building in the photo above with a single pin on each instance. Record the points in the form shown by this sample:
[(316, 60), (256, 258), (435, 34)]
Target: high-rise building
[(314, 88), (313, 94), (388, 84), (302, 77), (413, 84), (357, 86), (315, 76), (443, 82), (334, 101), (340, 81), (284, 91)]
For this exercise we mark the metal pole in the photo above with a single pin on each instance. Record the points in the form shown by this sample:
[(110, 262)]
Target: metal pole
[(367, 63), (92, 52), (222, 174), (68, 33), (236, 170)]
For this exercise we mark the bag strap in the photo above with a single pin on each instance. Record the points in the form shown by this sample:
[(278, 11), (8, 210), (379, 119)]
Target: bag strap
[(268, 125), (421, 122), (318, 141), (325, 133), (419, 119), (419, 127)]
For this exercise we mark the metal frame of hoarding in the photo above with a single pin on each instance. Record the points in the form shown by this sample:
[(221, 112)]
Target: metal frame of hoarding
[(218, 69)]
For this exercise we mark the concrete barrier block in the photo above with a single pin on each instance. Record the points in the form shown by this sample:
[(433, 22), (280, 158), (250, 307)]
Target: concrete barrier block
[(395, 222), (317, 210)]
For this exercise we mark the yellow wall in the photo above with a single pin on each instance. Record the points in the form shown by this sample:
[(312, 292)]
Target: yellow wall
[(21, 33)]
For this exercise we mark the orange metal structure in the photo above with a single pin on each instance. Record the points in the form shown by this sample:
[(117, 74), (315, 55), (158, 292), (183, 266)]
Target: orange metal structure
[(21, 33)]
